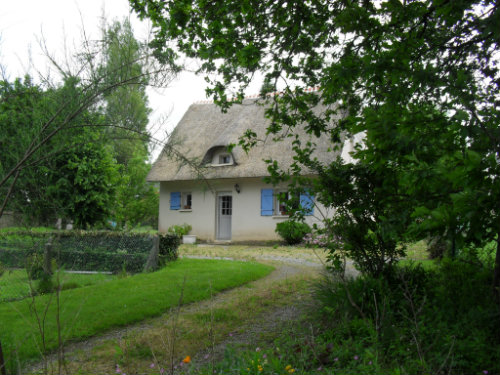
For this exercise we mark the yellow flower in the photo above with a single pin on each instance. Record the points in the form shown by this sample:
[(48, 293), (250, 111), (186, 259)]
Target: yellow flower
[(291, 371), (288, 367), (187, 359), (259, 367)]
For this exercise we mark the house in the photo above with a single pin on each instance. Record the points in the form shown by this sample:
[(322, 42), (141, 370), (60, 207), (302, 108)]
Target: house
[(221, 193)]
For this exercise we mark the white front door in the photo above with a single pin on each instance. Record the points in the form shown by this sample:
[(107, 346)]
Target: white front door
[(224, 213)]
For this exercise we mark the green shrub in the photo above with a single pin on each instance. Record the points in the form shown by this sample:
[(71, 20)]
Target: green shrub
[(169, 243), (45, 284), (99, 260), (34, 266), (78, 250), (482, 255), (292, 232), (180, 230), (448, 313)]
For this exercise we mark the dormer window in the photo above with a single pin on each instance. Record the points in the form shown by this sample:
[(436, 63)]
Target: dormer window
[(225, 159), (218, 156)]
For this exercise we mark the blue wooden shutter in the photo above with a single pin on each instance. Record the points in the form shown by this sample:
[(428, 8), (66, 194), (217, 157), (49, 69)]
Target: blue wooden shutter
[(175, 201), (266, 202), (307, 203)]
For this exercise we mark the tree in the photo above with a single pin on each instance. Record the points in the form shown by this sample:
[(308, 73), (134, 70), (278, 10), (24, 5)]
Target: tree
[(401, 72), (41, 121), (136, 200), (85, 179), (76, 179), (127, 108)]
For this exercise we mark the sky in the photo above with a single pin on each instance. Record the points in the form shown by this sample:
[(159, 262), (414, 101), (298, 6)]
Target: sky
[(24, 22)]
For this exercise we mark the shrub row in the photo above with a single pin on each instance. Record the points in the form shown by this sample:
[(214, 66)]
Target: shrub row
[(80, 240), (88, 251)]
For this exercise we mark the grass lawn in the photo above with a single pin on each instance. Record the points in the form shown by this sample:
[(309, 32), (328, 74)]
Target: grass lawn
[(14, 284), (253, 252), (95, 309), (247, 314)]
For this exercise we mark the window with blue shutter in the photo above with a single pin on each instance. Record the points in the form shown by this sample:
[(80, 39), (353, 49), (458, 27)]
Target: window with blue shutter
[(175, 201), (307, 203), (266, 202)]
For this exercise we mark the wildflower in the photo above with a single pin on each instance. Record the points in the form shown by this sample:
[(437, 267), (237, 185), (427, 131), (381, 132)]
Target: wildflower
[(291, 371), (288, 367), (319, 368), (187, 359), (152, 365), (206, 356), (257, 349), (485, 372), (264, 356), (118, 369), (336, 359), (162, 370), (370, 362), (259, 367), (356, 357)]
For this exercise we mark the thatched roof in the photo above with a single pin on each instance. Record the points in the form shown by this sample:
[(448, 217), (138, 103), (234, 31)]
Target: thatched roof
[(204, 127)]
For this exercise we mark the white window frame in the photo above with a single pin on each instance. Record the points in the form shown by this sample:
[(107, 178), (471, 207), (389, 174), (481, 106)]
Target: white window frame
[(221, 158), (186, 200), (279, 207)]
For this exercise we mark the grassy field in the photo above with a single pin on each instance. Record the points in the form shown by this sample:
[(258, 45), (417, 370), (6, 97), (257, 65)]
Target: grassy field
[(14, 284), (94, 309)]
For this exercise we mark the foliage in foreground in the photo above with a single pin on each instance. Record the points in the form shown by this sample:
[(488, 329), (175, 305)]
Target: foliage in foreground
[(95, 309), (413, 321), (417, 81)]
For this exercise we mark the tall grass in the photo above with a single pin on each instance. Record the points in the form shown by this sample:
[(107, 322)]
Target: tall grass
[(95, 309)]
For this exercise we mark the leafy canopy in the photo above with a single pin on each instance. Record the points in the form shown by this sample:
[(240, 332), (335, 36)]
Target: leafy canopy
[(419, 79), (78, 149)]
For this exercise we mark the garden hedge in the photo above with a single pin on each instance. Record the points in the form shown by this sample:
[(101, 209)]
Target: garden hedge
[(87, 250)]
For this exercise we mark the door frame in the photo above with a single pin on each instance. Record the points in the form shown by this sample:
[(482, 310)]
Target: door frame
[(218, 200)]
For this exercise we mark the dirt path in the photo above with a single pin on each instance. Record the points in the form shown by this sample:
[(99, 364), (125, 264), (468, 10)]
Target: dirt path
[(263, 325)]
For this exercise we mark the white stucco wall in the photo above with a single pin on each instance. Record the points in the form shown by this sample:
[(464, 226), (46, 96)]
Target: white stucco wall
[(247, 222)]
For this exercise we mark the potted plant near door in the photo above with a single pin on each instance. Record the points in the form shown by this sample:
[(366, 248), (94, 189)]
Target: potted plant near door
[(183, 231)]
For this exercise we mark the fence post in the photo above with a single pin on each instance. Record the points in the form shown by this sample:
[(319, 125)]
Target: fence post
[(3, 371), (47, 257), (152, 262)]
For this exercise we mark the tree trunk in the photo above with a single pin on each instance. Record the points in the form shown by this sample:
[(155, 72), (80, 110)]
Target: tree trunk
[(496, 276), (3, 371)]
